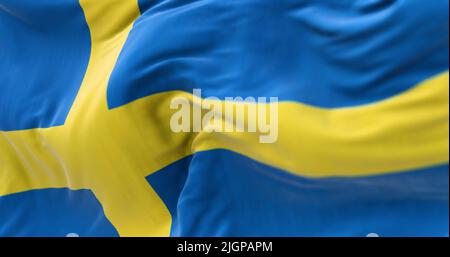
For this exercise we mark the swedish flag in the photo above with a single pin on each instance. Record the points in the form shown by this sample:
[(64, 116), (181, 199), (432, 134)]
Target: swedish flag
[(86, 146)]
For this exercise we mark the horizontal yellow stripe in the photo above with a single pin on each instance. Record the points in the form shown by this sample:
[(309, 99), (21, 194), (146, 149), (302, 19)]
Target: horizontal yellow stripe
[(405, 132)]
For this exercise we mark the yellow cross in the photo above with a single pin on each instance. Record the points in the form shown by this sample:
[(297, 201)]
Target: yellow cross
[(48, 158), (112, 151)]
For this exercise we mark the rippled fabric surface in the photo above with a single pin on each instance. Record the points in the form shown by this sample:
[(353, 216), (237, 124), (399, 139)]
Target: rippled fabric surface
[(85, 143)]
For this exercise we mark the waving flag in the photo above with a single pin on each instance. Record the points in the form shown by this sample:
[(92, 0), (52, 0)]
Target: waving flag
[(87, 147)]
